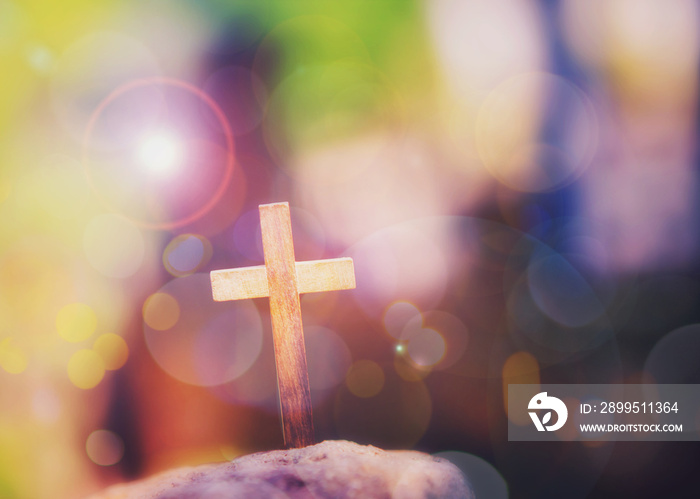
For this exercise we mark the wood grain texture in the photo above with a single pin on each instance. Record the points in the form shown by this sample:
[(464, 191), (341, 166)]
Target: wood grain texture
[(288, 339), (313, 276), (239, 284), (316, 276)]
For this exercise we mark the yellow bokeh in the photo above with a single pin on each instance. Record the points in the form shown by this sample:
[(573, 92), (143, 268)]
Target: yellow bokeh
[(86, 369), (33, 279), (365, 379), (522, 368), (76, 322), (5, 189), (161, 311), (519, 368), (112, 349), (12, 359)]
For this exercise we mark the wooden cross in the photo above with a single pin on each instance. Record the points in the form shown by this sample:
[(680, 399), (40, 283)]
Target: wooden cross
[(283, 279)]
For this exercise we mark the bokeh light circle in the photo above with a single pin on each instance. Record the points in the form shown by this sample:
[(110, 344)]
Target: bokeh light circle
[(112, 349), (161, 311), (394, 172), (454, 334), (551, 303), (506, 132), (211, 343), (228, 345), (426, 347), (400, 263), (86, 369), (12, 358), (76, 322), (674, 359), (561, 292), (104, 447), (519, 368), (406, 367), (157, 86), (328, 357), (258, 385), (397, 315), (484, 478), (186, 253), (396, 419), (365, 378)]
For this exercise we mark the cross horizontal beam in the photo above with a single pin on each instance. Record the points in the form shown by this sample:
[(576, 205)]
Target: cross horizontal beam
[(313, 276)]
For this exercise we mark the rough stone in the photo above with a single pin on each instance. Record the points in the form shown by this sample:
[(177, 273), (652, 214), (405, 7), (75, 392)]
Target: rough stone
[(331, 469)]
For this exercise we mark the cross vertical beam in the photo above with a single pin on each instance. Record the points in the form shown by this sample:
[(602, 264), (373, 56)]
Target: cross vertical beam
[(282, 279), (288, 336)]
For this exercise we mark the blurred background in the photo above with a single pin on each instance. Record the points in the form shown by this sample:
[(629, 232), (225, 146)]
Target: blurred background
[(516, 181)]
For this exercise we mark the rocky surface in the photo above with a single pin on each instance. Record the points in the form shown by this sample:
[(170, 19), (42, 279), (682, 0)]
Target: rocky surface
[(332, 469)]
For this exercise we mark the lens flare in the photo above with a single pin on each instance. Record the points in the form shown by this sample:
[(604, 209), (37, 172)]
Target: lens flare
[(160, 153), (174, 131)]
